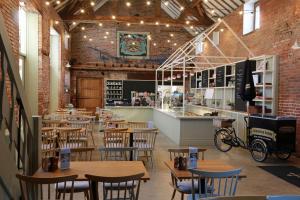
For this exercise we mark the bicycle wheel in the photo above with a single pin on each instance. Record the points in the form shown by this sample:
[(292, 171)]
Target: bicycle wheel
[(259, 150), (283, 155), (220, 136)]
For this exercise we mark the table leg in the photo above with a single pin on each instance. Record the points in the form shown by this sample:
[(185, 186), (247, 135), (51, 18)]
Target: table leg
[(203, 186), (131, 145), (94, 191)]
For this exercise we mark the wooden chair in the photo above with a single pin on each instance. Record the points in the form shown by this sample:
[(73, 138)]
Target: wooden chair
[(119, 154), (49, 141), (182, 186), (54, 123), (29, 185), (72, 138), (134, 125), (115, 137), (215, 183), (79, 154), (144, 139), (117, 188)]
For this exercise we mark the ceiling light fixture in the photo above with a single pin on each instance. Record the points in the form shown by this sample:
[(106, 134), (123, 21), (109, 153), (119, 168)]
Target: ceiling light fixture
[(128, 4), (128, 24), (181, 8), (148, 3), (154, 44), (167, 25), (171, 34), (196, 32), (90, 39), (168, 41), (219, 19), (57, 2), (222, 30), (175, 44), (100, 24), (92, 3), (47, 3), (241, 12), (84, 36), (82, 10), (187, 22), (192, 27), (56, 22), (156, 23), (141, 22), (105, 37), (74, 23), (166, 3), (83, 28), (111, 42), (212, 11), (107, 33), (113, 17)]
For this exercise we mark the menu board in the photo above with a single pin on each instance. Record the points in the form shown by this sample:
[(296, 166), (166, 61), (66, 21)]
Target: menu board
[(239, 104), (205, 79), (137, 85), (193, 81), (220, 76)]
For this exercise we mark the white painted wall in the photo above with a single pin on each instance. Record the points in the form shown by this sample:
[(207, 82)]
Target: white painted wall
[(55, 68)]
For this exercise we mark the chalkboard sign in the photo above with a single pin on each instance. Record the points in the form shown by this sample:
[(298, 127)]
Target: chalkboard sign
[(220, 76), (137, 85), (205, 79), (239, 104), (193, 81)]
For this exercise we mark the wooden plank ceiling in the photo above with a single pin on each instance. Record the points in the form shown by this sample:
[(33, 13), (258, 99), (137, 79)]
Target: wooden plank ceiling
[(193, 15)]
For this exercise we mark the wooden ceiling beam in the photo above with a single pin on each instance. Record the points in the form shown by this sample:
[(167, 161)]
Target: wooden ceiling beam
[(131, 19)]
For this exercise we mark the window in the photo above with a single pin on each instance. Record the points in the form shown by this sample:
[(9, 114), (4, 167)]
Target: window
[(22, 67), (216, 38), (22, 30), (199, 45), (251, 16)]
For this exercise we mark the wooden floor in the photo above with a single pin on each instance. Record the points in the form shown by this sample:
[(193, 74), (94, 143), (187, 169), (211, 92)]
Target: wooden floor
[(258, 182)]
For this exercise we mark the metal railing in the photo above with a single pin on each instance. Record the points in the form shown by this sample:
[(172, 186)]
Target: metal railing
[(19, 130)]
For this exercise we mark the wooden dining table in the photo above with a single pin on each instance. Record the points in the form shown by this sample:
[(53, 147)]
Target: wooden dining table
[(97, 168)]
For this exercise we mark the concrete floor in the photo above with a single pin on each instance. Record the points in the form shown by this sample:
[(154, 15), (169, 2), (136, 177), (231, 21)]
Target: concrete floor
[(257, 183)]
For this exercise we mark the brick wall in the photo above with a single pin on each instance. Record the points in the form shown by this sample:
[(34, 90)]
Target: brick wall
[(82, 49), (280, 27)]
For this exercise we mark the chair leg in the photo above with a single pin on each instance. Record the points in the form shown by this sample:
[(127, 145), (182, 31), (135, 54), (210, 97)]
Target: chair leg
[(86, 195), (173, 195), (93, 138), (182, 196), (151, 158)]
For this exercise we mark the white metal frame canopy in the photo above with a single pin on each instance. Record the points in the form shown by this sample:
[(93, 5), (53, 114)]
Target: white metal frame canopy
[(185, 59)]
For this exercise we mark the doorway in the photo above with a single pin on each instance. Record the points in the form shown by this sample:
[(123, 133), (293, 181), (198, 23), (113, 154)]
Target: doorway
[(89, 93), (55, 69)]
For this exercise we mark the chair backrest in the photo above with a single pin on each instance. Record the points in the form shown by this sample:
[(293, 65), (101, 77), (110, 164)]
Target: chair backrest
[(125, 187), (72, 138), (82, 153), (30, 185), (144, 138), (79, 124), (134, 125), (216, 183), (54, 123), (115, 137), (119, 153), (49, 139), (184, 152)]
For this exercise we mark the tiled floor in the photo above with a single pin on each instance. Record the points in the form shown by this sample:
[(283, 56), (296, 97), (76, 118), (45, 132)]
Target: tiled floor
[(258, 182)]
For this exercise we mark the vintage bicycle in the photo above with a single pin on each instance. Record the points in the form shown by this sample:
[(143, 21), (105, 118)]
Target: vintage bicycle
[(264, 136)]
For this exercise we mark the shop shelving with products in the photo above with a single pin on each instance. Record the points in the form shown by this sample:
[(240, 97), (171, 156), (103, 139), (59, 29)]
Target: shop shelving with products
[(223, 86), (114, 90)]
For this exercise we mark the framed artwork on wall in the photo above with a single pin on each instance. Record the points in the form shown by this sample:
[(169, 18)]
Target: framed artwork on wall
[(133, 45)]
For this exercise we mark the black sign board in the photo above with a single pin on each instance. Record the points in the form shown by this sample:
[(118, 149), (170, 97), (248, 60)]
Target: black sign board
[(239, 104), (220, 76), (205, 79), (193, 81), (140, 86)]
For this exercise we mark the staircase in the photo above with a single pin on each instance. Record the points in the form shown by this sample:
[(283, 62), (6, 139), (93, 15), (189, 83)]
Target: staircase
[(19, 130)]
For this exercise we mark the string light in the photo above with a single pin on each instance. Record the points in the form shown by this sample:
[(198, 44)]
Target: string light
[(222, 30), (167, 25), (83, 28), (105, 37), (192, 27), (113, 17), (168, 41), (47, 3), (100, 24), (175, 44), (82, 10), (84, 36), (128, 4), (92, 3), (212, 11), (196, 32), (148, 3), (171, 34), (141, 22), (56, 22), (111, 42), (241, 12), (219, 19), (154, 44), (90, 39), (128, 24), (74, 23), (107, 33), (166, 3), (205, 1), (57, 2), (156, 23), (187, 22), (181, 8)]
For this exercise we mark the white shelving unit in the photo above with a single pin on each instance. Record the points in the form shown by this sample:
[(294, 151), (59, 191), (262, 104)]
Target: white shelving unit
[(224, 97), (114, 90)]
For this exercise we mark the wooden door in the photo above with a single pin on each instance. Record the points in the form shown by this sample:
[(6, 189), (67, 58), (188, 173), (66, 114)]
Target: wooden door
[(90, 93)]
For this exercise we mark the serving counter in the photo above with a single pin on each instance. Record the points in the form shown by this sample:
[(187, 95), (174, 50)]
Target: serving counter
[(133, 113)]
